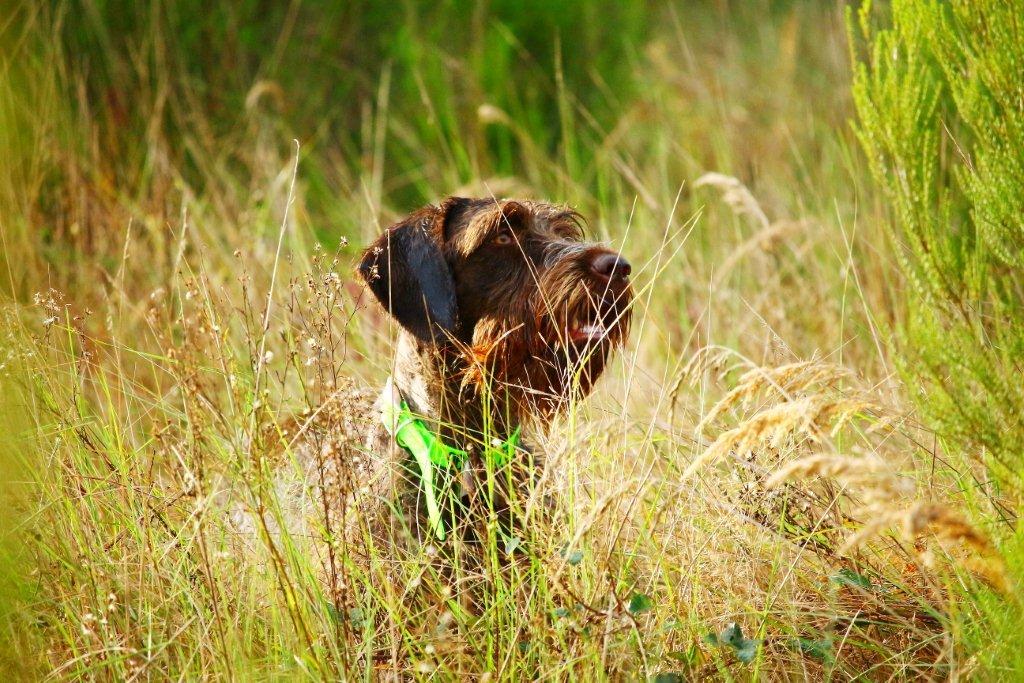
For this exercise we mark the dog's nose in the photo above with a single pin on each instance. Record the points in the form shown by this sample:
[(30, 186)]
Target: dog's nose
[(610, 266)]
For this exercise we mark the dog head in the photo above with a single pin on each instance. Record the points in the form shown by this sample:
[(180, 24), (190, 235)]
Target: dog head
[(509, 292)]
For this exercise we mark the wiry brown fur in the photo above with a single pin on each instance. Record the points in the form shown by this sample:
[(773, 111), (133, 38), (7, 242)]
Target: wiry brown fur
[(515, 303)]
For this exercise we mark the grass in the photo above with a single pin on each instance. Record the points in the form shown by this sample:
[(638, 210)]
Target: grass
[(177, 287)]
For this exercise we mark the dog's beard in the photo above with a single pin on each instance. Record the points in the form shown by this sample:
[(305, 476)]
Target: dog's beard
[(582, 319), (553, 349)]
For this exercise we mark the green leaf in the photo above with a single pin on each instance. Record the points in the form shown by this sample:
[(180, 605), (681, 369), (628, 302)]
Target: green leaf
[(848, 577), (746, 650), (731, 634), (512, 543), (640, 603), (572, 557), (334, 613), (819, 649), (668, 677), (560, 612)]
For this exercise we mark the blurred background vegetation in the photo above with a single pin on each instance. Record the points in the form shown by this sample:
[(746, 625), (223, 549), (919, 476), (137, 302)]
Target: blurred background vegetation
[(116, 108), (138, 137)]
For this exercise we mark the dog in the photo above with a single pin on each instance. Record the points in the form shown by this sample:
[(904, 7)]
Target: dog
[(505, 316)]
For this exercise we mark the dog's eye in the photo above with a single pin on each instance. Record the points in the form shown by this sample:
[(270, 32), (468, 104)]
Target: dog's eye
[(504, 238)]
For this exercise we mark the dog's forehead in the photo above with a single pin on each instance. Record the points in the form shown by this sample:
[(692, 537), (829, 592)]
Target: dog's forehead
[(557, 221), (468, 223)]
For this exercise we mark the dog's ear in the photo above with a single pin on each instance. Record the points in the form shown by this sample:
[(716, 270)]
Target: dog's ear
[(407, 272)]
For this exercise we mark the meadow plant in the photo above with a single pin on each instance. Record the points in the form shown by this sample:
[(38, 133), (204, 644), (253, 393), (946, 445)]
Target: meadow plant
[(750, 493)]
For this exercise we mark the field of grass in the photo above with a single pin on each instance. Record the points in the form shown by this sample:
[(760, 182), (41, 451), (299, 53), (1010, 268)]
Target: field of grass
[(750, 492)]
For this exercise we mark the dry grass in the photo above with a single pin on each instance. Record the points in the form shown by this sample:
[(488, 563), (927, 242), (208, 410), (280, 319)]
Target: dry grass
[(749, 460), (749, 508)]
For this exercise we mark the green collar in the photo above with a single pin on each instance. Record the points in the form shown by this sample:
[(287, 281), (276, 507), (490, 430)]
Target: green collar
[(430, 451)]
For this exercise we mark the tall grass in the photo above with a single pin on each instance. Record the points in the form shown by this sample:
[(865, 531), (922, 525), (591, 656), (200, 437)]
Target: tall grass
[(749, 461)]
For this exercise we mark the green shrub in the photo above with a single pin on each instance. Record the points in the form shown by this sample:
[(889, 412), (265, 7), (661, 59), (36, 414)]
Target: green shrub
[(940, 99)]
